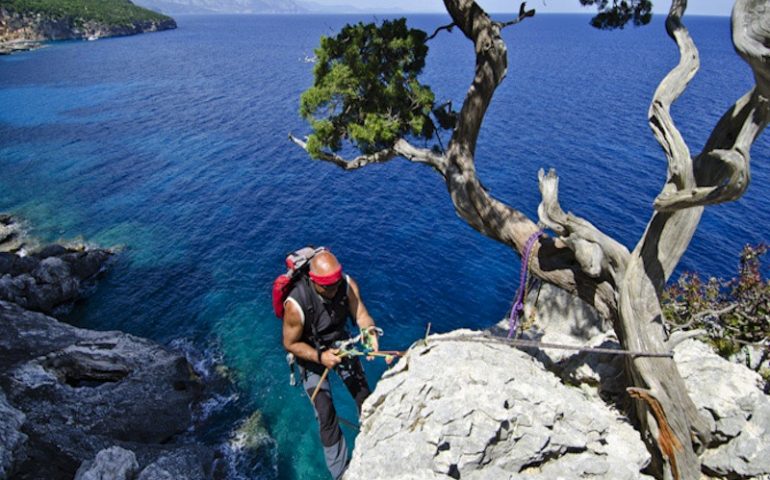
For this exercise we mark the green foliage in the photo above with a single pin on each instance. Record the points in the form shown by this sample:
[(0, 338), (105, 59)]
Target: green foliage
[(735, 312), (109, 12), (620, 12), (366, 88)]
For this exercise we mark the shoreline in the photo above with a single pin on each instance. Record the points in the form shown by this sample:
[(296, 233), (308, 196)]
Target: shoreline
[(77, 402), (17, 46)]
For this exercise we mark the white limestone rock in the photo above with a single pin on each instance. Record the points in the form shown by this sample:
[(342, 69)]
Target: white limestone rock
[(552, 315), (467, 406), (730, 397)]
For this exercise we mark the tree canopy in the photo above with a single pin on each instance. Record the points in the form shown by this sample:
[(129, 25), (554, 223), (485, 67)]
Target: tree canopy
[(620, 12), (366, 88)]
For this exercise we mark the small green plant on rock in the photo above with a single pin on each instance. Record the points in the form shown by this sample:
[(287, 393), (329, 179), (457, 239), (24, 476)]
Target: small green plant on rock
[(735, 313)]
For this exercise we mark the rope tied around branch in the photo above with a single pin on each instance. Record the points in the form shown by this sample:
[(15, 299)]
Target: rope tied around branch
[(518, 306)]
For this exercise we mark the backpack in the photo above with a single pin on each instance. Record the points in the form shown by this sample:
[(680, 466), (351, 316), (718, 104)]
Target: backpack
[(298, 264)]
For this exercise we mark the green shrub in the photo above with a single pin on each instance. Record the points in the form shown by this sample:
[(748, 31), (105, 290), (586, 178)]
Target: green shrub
[(109, 12), (735, 313)]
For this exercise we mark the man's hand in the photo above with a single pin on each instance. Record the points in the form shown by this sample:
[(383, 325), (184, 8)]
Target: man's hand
[(330, 359), (374, 341)]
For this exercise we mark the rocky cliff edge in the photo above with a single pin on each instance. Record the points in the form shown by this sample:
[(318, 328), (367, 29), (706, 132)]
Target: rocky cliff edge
[(467, 405)]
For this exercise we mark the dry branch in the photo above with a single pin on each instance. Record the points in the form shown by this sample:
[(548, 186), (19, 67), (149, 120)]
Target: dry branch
[(595, 251)]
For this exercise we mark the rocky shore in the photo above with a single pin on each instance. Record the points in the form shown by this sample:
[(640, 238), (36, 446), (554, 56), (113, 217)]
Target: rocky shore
[(27, 30), (82, 404)]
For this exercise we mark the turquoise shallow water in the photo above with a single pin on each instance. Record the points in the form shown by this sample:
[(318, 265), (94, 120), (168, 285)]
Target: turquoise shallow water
[(174, 146)]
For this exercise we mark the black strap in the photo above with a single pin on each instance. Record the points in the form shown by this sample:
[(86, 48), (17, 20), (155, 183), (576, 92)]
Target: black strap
[(308, 301)]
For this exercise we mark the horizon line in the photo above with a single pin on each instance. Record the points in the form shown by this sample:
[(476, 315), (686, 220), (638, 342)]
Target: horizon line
[(410, 12)]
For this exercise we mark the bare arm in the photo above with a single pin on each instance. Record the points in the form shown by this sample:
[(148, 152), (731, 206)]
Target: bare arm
[(357, 307), (359, 311), (292, 339)]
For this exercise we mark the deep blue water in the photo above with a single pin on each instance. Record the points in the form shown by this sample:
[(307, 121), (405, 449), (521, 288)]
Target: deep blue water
[(174, 146)]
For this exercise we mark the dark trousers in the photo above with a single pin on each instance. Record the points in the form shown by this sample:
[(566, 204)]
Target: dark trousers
[(352, 374)]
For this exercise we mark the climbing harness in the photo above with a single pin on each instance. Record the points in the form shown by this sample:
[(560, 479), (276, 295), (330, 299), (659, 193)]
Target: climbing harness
[(521, 293), (348, 348)]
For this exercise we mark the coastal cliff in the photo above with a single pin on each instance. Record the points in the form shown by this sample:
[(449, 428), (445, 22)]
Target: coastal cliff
[(82, 404), (43, 20)]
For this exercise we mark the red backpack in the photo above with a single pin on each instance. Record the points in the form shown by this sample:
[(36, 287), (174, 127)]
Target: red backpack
[(298, 264)]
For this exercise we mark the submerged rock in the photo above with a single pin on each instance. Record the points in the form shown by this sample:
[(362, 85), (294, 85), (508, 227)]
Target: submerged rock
[(467, 406), (251, 449), (51, 278)]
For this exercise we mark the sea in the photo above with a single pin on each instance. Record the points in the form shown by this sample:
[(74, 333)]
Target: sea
[(173, 147)]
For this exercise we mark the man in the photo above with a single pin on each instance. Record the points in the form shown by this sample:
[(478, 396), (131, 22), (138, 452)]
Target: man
[(315, 317)]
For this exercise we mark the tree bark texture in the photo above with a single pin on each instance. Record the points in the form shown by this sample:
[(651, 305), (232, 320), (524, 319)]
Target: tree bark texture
[(625, 287), (718, 174)]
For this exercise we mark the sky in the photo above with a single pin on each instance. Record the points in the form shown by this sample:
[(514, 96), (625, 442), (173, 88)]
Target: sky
[(695, 7)]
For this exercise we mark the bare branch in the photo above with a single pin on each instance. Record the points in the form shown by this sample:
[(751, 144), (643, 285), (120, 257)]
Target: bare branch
[(680, 174), (553, 261), (673, 417), (523, 13), (420, 155), (751, 31), (595, 251), (679, 336), (448, 28), (704, 314), (400, 148), (722, 170), (358, 162)]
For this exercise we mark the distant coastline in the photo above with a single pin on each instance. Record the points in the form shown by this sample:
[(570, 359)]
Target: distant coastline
[(25, 24)]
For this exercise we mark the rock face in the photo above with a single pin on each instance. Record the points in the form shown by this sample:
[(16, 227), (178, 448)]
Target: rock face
[(82, 392), (728, 394), (12, 440), (467, 406), (114, 463), (552, 315), (730, 397)]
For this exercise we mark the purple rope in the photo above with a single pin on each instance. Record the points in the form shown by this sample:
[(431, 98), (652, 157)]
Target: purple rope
[(518, 306)]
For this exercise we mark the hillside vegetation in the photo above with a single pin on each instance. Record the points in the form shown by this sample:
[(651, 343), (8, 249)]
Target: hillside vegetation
[(108, 12)]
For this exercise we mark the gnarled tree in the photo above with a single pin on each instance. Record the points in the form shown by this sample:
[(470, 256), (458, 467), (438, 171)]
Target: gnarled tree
[(366, 90)]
